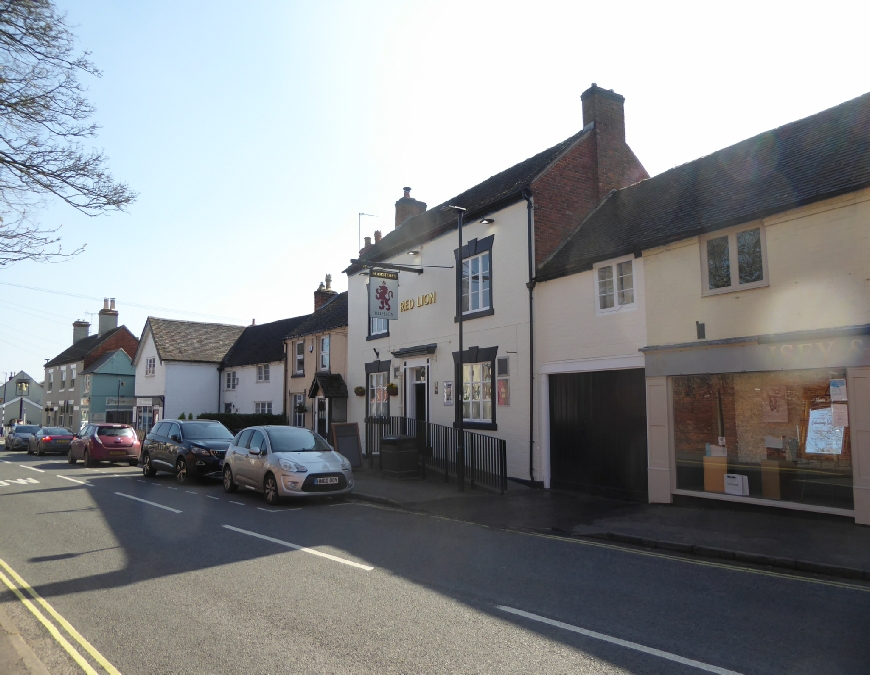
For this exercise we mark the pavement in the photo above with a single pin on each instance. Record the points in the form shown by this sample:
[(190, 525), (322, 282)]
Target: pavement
[(16, 656), (796, 540)]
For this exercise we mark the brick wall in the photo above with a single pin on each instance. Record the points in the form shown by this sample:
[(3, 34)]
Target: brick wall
[(122, 339)]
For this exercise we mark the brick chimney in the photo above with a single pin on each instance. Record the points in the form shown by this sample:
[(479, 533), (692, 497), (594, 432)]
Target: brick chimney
[(377, 236), (408, 207), (108, 316), (80, 330), (367, 244), (617, 167), (324, 292)]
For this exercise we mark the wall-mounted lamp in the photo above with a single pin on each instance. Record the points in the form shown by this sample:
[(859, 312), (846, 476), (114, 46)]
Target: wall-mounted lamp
[(486, 221), (413, 252)]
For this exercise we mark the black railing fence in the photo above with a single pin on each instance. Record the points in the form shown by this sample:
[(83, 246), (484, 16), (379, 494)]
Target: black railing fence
[(485, 456)]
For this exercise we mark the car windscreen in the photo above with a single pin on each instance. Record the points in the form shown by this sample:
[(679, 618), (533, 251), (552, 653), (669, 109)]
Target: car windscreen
[(26, 429), (294, 439), (116, 432), (56, 431), (199, 430)]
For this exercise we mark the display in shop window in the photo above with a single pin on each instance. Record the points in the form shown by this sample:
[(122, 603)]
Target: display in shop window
[(774, 403), (838, 390), (448, 392)]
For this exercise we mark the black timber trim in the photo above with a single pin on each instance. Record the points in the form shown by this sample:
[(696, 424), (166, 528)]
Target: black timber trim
[(420, 350), (474, 355)]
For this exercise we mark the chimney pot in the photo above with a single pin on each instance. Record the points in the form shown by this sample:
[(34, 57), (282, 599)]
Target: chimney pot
[(111, 303), (105, 303), (368, 242), (324, 291), (407, 192), (328, 282)]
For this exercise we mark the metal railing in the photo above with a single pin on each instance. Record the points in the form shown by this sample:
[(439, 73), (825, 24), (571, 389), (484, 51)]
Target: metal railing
[(485, 456)]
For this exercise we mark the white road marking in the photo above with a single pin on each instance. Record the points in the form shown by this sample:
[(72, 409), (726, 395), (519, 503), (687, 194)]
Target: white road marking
[(260, 508), (20, 481), (80, 482), (145, 501), (190, 492), (617, 641), (343, 504), (304, 549), (32, 468), (210, 497), (141, 481), (171, 488), (239, 503)]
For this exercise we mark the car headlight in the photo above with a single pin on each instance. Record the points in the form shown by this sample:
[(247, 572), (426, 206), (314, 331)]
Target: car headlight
[(199, 451), (290, 465), (345, 463)]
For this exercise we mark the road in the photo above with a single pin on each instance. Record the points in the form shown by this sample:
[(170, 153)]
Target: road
[(161, 578)]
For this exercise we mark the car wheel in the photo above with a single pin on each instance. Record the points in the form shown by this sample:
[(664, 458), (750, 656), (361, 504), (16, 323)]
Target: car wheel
[(147, 467), (270, 490), (88, 461), (70, 459), (229, 484), (29, 451), (39, 451), (181, 474)]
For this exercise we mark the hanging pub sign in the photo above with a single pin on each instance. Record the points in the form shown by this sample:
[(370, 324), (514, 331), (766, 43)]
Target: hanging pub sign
[(383, 295)]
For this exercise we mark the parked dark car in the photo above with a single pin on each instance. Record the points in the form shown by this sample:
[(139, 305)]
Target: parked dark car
[(18, 438), (50, 439), (106, 443), (186, 448)]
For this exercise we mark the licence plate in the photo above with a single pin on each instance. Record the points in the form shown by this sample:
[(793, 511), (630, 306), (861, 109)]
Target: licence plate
[(329, 480), (62, 442), (117, 452)]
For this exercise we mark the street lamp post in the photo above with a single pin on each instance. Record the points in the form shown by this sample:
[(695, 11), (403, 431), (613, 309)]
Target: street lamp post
[(118, 400)]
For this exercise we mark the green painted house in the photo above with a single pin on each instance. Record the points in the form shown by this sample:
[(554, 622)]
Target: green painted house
[(108, 387)]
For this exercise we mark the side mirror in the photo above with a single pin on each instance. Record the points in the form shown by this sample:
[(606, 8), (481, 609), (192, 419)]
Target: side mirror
[(255, 451)]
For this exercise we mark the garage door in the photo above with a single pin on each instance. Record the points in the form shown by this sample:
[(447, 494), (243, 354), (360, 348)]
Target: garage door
[(598, 433)]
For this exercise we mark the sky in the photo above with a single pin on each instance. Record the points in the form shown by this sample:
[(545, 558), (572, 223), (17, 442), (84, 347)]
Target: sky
[(255, 132)]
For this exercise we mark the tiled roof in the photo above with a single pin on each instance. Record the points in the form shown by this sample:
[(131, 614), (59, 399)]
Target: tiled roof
[(332, 315), (263, 343), (192, 340), (815, 158), (332, 385), (496, 191), (82, 348)]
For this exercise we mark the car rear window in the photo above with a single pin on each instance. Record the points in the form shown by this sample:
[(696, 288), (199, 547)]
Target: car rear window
[(117, 432), (26, 429), (295, 439), (56, 431)]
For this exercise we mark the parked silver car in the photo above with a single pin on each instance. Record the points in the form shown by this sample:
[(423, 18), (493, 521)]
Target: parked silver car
[(285, 462), (19, 437)]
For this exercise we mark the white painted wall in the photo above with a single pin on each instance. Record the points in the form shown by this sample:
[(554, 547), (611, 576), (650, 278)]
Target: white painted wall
[(248, 391), (152, 385), (190, 388), (508, 328)]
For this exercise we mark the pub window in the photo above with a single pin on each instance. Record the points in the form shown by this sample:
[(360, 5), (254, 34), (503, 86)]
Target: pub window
[(733, 261), (476, 279), (379, 326), (477, 392), (379, 399), (615, 286)]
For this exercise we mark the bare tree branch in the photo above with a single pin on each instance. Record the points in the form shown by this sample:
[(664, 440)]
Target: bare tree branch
[(44, 118)]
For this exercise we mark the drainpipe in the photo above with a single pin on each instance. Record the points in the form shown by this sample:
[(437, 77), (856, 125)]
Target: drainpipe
[(527, 195)]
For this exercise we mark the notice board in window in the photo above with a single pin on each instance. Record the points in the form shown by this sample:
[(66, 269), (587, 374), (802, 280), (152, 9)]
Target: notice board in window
[(345, 439)]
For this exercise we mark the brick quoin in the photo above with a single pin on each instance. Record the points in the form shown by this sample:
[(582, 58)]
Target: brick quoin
[(122, 339), (600, 161)]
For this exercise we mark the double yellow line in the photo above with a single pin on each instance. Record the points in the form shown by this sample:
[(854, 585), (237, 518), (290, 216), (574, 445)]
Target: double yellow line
[(55, 633)]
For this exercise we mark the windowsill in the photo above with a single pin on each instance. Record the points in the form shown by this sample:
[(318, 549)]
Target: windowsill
[(262, 381), (297, 375), (149, 374), (475, 424), (378, 336), (475, 315), (731, 289), (616, 310)]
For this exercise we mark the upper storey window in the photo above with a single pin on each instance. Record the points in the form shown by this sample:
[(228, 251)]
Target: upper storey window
[(615, 283), (733, 261)]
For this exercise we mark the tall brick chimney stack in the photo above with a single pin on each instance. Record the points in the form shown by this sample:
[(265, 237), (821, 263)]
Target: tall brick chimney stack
[(80, 330), (408, 207), (323, 293), (617, 166), (108, 316)]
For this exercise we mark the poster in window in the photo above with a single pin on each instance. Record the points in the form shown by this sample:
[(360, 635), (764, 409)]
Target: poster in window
[(838, 390), (448, 392), (840, 416), (823, 438), (774, 404), (503, 390)]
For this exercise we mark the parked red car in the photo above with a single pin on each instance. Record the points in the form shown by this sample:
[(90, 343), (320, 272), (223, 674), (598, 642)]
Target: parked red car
[(105, 443)]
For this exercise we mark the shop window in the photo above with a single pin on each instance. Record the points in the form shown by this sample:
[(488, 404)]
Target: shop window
[(503, 381), (614, 286), (150, 366), (733, 261), (263, 407), (477, 392), (379, 399), (772, 435)]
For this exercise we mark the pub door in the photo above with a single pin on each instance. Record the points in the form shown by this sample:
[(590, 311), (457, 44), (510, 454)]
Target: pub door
[(598, 433), (320, 419)]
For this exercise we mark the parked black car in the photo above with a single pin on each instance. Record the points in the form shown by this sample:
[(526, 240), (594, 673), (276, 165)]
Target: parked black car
[(187, 448), (19, 437), (50, 439)]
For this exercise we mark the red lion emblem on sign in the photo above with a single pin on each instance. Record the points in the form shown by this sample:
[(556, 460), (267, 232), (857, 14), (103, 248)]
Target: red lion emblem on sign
[(383, 295)]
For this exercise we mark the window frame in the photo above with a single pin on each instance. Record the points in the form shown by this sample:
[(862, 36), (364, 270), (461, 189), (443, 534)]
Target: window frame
[(231, 381), (473, 249), (62, 378), (50, 380), (734, 265), (72, 376), (299, 359), (260, 407), (471, 276), (298, 417), (321, 353), (381, 334), (471, 356), (262, 373), (150, 366), (635, 278)]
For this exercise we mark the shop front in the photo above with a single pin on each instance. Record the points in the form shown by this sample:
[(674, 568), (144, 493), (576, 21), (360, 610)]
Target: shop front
[(768, 419)]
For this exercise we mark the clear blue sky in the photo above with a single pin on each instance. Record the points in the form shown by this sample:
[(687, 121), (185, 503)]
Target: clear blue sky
[(255, 132)]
